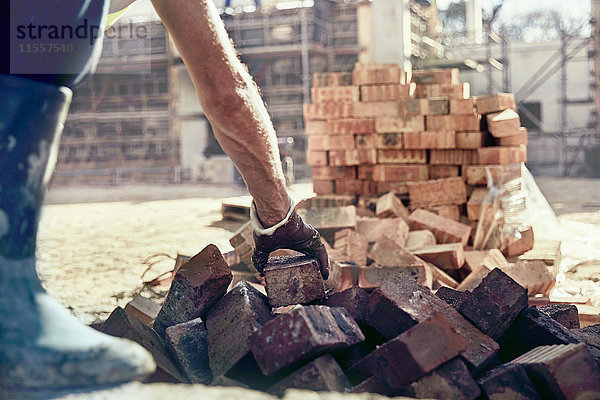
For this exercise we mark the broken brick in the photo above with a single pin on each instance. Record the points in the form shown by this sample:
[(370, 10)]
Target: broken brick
[(316, 330), (476, 203), (198, 284), (400, 303), (535, 276), (143, 308), (122, 324), (562, 371), (390, 206), (444, 229), (565, 314), (354, 300), (451, 380), (451, 211), (508, 382), (445, 256), (437, 192), (374, 228), (495, 303), (351, 246), (240, 312), (322, 374), (519, 243), (293, 280), (451, 296), (419, 239), (495, 102), (188, 343), (503, 123)]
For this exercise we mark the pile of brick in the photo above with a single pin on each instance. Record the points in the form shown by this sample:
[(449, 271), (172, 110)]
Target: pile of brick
[(396, 339), (372, 131)]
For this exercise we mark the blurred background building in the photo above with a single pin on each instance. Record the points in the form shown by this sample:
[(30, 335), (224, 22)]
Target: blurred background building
[(138, 119)]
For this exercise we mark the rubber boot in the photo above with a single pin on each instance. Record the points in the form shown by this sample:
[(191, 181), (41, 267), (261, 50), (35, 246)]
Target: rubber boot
[(41, 344)]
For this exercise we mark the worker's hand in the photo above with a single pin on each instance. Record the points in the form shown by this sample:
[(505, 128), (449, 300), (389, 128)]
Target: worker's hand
[(294, 234)]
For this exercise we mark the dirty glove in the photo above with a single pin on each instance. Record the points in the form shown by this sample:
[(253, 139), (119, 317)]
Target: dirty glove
[(290, 233)]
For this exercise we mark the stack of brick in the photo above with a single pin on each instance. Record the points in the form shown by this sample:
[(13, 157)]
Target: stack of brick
[(375, 132), (397, 338)]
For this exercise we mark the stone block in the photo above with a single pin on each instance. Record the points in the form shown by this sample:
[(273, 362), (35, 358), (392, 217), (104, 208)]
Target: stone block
[(293, 280), (316, 330), (495, 102), (444, 229), (494, 303), (562, 371), (453, 297), (351, 246), (322, 374), (419, 239), (565, 314), (188, 344), (535, 276), (519, 243), (390, 206), (399, 173), (122, 324), (437, 192), (451, 380), (399, 303), (504, 123), (242, 311), (444, 256), (374, 228), (354, 300), (508, 382), (198, 284)]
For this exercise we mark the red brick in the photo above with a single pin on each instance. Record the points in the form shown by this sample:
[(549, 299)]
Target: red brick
[(480, 263), (327, 173), (452, 122), (438, 106), (324, 111), (355, 187), (508, 382), (430, 140), (368, 141), (378, 74), (384, 92), (375, 109), (330, 142), (443, 171), (471, 140), (375, 275), (198, 284), (389, 125), (458, 91), (451, 296), (404, 359), (494, 303), (437, 192), (323, 186), (402, 156), (242, 242), (445, 256), (452, 212), (351, 126), (351, 246), (352, 157), (462, 106), (476, 174), (389, 141), (373, 385), (417, 107), (332, 79), (229, 323), (323, 374), (330, 218), (419, 239), (293, 280), (396, 187), (562, 371), (365, 172), (354, 300), (316, 158), (374, 228), (453, 157), (390, 206), (440, 278), (502, 155), (515, 140), (504, 123), (451, 380), (143, 309), (496, 102), (316, 330), (335, 94), (399, 303), (445, 230), (475, 203), (337, 158), (449, 76), (565, 314), (404, 173), (520, 242), (121, 324), (387, 252), (315, 127), (188, 343), (414, 124), (533, 275)]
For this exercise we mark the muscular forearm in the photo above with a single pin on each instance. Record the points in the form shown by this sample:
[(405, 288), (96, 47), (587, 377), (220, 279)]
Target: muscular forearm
[(230, 100)]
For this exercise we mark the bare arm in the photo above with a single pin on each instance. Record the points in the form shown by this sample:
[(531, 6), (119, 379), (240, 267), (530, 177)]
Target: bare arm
[(230, 100)]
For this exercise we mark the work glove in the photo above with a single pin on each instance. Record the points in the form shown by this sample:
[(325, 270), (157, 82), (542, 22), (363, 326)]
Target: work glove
[(291, 233)]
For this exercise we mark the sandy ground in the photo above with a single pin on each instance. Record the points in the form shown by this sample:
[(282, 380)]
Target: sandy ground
[(93, 242)]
